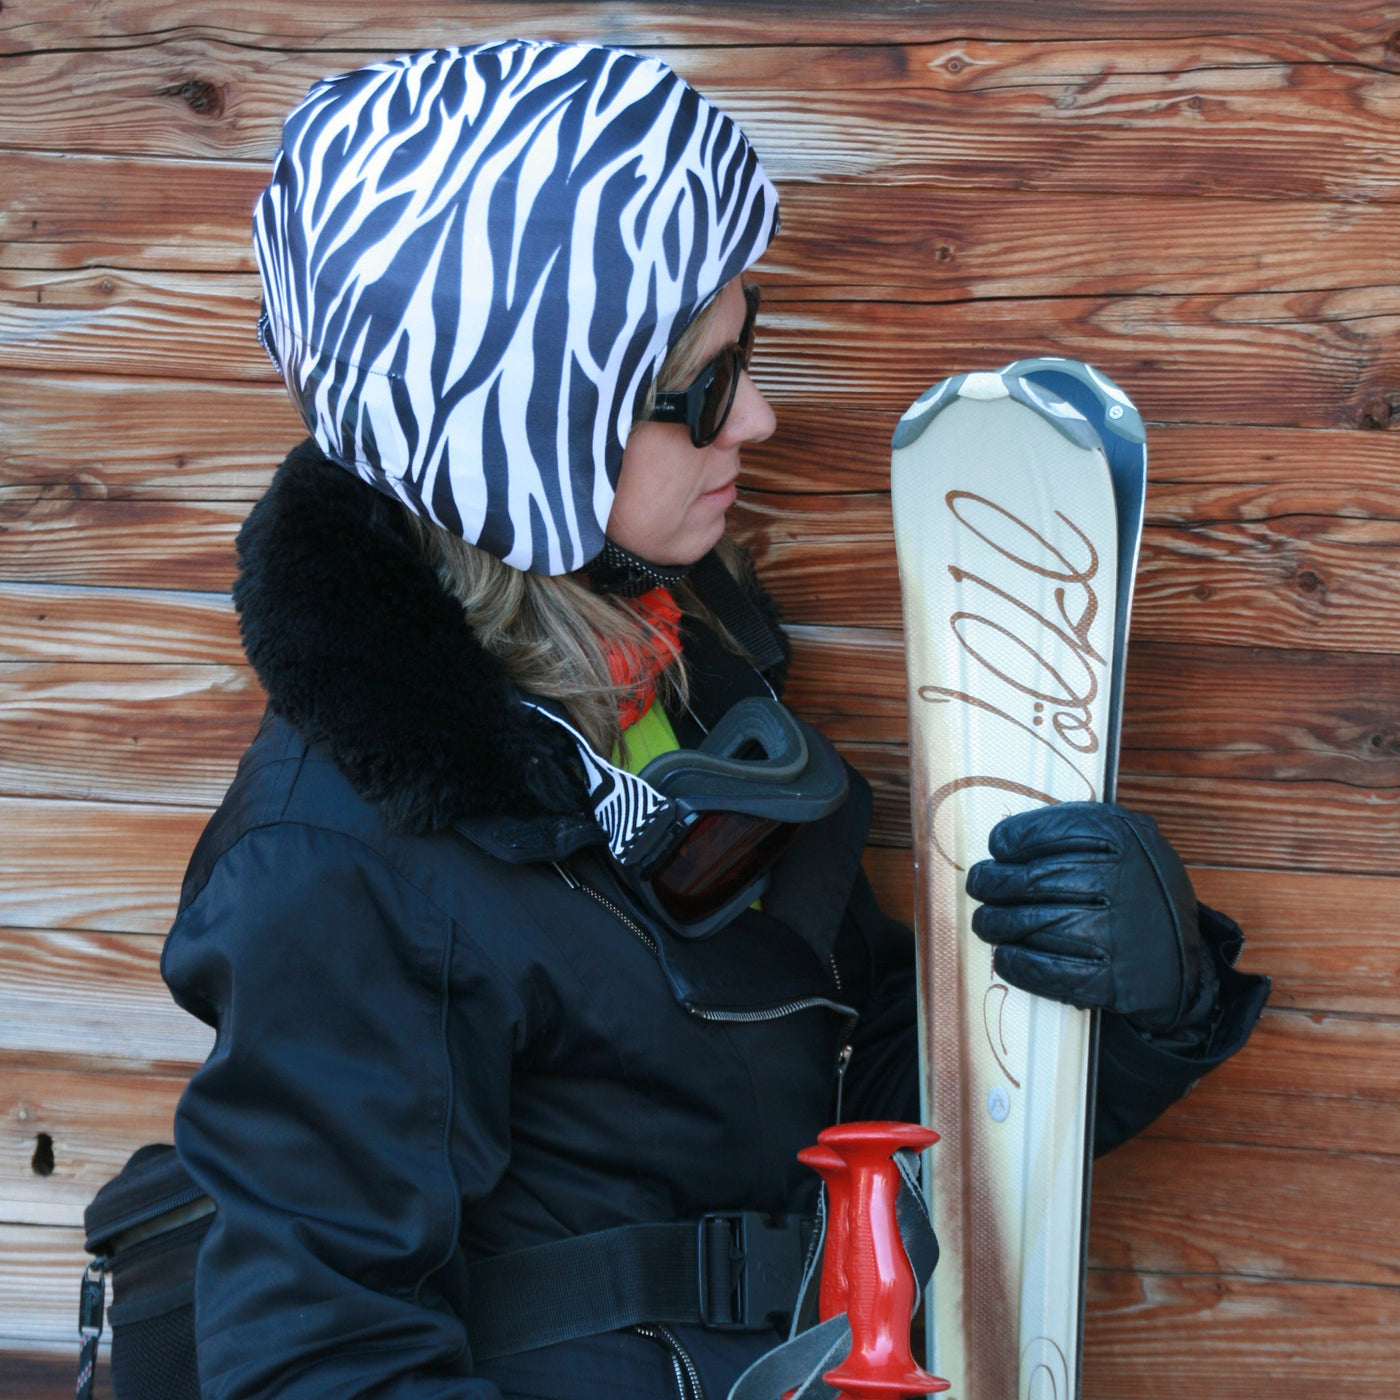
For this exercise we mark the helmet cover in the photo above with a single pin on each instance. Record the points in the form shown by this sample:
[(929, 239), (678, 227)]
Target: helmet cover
[(474, 262)]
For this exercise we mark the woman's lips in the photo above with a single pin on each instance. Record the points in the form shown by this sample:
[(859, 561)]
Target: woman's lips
[(722, 495)]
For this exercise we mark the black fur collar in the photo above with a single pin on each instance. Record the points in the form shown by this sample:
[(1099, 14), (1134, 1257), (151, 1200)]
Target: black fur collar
[(359, 648)]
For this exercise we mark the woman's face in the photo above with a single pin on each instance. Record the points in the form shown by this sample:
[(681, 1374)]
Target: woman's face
[(671, 495)]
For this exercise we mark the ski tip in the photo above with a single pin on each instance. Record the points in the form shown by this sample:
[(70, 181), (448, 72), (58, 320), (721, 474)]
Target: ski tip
[(1089, 389), (987, 386)]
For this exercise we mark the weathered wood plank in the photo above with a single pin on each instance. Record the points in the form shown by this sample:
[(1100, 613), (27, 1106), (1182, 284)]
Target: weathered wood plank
[(210, 441), (93, 1120), (1352, 30), (1196, 473), (1324, 583), (167, 734), (1161, 1336), (1320, 958), (1309, 1081), (66, 211), (41, 622), (1199, 711), (123, 543), (1297, 581), (47, 1375), (176, 325), (1304, 359), (1188, 1208), (94, 996), (861, 241), (63, 435), (1287, 826), (94, 865), (1184, 116), (1209, 820)]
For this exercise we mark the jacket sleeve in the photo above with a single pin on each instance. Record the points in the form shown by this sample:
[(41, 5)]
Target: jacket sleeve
[(320, 1124), (1139, 1078)]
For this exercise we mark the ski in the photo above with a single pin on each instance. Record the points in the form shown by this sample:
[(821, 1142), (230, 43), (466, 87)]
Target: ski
[(1007, 514)]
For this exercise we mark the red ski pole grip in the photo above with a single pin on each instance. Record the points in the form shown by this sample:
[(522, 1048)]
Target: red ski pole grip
[(880, 1281), (831, 1167)]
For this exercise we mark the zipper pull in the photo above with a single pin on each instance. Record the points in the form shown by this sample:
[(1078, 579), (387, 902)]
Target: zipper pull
[(564, 875), (90, 1302), (842, 1060)]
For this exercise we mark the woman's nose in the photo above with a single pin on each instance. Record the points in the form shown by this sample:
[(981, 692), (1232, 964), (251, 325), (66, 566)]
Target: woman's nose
[(751, 419)]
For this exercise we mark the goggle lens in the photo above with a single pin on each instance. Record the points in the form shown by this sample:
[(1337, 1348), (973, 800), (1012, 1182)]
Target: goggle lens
[(722, 854)]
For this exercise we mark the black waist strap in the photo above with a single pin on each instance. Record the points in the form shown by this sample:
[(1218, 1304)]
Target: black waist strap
[(733, 1271)]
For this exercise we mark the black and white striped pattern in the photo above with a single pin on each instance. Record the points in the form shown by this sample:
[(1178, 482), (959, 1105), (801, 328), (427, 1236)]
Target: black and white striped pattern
[(474, 262), (623, 804)]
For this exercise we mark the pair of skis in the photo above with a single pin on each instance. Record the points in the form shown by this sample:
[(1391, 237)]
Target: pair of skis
[(1018, 500)]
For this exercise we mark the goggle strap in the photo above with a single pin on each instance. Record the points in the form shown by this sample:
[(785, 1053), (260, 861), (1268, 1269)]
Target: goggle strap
[(623, 804)]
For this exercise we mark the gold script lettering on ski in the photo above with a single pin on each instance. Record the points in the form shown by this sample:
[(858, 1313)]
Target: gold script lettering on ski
[(1007, 524)]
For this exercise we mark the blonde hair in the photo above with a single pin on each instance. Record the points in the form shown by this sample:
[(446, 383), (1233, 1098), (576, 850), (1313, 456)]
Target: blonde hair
[(553, 634)]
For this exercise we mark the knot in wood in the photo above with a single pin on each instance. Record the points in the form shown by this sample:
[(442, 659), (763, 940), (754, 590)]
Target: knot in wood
[(203, 98), (943, 253), (1308, 582), (1392, 45), (1377, 412)]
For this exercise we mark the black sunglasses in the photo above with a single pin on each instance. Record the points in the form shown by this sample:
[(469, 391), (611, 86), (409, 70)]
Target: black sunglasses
[(705, 405)]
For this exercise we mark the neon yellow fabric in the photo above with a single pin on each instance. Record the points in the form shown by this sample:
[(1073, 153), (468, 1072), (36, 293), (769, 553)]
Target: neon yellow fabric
[(648, 738)]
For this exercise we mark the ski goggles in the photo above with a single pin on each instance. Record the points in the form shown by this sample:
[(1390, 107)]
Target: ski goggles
[(705, 405), (697, 832)]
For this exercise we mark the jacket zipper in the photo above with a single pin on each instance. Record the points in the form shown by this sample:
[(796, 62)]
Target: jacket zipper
[(688, 1384), (772, 1013)]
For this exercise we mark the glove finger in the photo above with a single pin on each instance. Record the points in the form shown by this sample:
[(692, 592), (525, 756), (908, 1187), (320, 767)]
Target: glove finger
[(1056, 929), (1062, 827), (1063, 879), (1077, 981)]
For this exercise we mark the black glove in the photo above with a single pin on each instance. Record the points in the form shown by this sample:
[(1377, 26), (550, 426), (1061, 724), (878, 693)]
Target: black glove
[(1089, 904)]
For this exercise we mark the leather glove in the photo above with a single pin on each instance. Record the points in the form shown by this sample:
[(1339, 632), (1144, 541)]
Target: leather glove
[(1088, 903)]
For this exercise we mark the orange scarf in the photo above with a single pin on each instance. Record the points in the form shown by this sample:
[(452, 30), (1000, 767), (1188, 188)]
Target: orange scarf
[(638, 669)]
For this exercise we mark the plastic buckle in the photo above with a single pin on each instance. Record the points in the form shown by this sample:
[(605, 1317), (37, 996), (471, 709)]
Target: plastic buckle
[(764, 1270)]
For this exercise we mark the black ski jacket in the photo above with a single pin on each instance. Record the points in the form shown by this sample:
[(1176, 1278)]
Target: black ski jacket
[(435, 1039)]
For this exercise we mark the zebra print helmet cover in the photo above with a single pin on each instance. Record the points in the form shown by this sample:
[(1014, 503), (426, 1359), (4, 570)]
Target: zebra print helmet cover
[(474, 262)]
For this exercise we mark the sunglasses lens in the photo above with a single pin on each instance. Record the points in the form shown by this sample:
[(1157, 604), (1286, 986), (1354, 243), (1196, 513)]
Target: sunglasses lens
[(719, 397), (722, 855)]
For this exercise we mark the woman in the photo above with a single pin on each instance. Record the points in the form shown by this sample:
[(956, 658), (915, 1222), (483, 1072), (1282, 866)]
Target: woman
[(457, 1016)]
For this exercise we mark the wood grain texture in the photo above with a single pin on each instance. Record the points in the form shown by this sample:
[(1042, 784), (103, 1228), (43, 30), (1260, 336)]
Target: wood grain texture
[(94, 865), (1158, 1337), (132, 626), (83, 437), (1187, 116), (94, 1120), (95, 996), (1321, 1082), (841, 241), (1330, 942), (202, 440), (1187, 1208), (167, 734), (47, 1375), (1273, 825), (1201, 711), (1232, 472), (1318, 582), (1325, 583), (1304, 359), (1354, 30), (120, 544)]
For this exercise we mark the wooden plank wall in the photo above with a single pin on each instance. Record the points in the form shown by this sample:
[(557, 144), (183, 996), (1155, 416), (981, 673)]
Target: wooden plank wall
[(1200, 198)]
